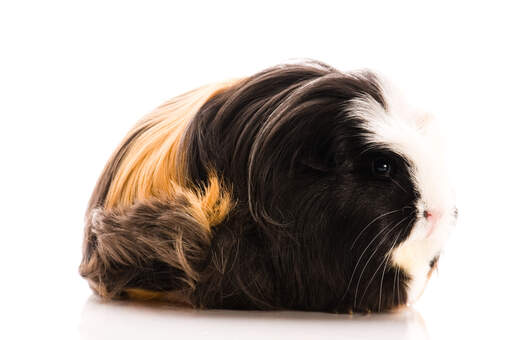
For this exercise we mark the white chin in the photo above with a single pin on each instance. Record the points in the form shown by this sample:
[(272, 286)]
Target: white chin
[(415, 254)]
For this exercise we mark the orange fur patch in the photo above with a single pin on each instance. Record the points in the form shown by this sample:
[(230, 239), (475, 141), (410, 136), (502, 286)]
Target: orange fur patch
[(151, 166)]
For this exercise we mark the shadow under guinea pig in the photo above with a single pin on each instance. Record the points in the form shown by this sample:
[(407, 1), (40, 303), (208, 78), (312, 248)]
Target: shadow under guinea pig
[(132, 320)]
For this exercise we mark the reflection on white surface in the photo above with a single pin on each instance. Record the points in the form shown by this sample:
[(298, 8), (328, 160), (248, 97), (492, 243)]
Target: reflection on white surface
[(128, 320)]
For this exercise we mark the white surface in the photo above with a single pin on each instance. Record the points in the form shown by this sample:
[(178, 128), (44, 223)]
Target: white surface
[(75, 76), (129, 321)]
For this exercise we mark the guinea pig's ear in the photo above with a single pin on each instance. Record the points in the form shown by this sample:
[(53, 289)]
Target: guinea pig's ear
[(318, 164)]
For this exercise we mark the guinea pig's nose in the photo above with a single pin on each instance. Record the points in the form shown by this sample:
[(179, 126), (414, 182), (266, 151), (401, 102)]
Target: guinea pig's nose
[(432, 215)]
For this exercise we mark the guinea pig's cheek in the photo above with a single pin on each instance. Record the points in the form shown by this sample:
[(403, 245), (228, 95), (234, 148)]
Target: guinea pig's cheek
[(412, 256)]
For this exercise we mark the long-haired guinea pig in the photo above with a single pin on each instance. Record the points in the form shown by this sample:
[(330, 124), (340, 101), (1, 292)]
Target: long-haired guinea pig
[(300, 187)]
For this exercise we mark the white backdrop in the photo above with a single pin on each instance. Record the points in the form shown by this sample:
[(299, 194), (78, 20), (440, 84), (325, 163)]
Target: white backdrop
[(75, 76)]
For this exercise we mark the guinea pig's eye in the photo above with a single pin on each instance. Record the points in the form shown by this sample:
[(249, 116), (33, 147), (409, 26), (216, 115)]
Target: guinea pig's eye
[(381, 167)]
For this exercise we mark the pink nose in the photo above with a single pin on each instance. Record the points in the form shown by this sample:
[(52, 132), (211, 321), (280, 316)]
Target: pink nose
[(432, 215)]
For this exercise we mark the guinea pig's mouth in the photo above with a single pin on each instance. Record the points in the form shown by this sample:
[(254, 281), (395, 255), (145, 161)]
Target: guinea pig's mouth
[(433, 262), (433, 266)]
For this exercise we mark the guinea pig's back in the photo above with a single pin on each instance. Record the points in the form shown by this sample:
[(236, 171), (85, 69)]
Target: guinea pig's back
[(146, 162)]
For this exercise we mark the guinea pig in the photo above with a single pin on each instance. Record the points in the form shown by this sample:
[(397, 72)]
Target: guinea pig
[(300, 187)]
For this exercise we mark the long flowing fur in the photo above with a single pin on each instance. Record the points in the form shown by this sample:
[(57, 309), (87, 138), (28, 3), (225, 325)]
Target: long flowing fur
[(142, 219), (257, 193)]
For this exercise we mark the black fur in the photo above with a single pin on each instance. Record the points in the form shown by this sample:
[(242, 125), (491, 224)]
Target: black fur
[(300, 167)]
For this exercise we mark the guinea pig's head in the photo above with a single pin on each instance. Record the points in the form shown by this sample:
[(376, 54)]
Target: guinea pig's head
[(359, 179)]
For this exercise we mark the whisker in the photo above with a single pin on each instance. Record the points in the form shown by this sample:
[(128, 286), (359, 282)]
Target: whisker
[(371, 279), (361, 257), (367, 262), (398, 287), (374, 252), (394, 285), (369, 224), (384, 269)]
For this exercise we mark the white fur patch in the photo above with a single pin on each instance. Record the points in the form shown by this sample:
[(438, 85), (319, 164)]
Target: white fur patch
[(415, 136)]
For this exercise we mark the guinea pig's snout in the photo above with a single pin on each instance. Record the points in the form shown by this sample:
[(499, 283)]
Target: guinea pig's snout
[(434, 216)]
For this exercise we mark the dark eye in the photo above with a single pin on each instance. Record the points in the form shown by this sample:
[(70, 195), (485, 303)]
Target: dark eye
[(382, 167)]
